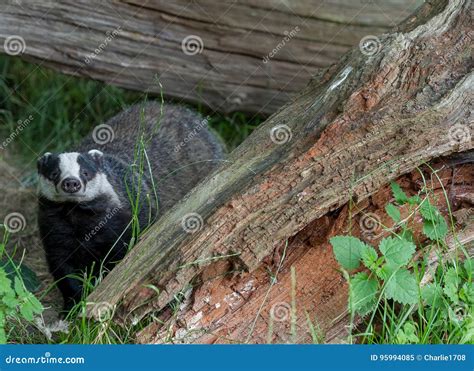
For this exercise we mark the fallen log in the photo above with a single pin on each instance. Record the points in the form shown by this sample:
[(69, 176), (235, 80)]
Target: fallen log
[(357, 126), (229, 55)]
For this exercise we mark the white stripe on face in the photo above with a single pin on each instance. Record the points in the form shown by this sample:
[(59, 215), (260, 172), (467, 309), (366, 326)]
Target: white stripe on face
[(68, 165)]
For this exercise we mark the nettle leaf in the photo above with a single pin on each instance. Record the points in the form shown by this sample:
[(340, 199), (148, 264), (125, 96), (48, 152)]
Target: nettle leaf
[(435, 229), (402, 287), (10, 300), (29, 305), (393, 212), (386, 271), (468, 333), (428, 211), (370, 257), (407, 335), (432, 295), (451, 284), (414, 200), (363, 293), (5, 283), (20, 290), (347, 250), (397, 251), (398, 193), (466, 293)]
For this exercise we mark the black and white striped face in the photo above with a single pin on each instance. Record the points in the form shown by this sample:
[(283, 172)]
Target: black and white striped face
[(73, 177)]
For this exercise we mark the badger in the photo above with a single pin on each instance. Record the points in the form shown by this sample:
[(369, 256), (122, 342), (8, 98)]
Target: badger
[(93, 199)]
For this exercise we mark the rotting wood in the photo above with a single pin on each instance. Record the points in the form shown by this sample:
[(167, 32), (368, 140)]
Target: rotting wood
[(223, 306), (128, 42), (360, 124)]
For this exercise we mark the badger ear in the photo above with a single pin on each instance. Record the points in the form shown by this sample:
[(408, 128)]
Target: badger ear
[(96, 155), (42, 161)]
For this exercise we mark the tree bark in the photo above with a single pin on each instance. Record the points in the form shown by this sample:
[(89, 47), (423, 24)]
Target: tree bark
[(133, 43), (358, 125)]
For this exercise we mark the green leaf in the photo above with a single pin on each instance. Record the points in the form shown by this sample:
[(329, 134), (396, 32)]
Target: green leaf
[(468, 333), (397, 251), (393, 212), (428, 211), (432, 295), (20, 290), (466, 293), (347, 250), (29, 305), (5, 283), (414, 200), (10, 301), (407, 335), (398, 193), (451, 285), (29, 278), (402, 287), (370, 257), (435, 229), (386, 271), (363, 293)]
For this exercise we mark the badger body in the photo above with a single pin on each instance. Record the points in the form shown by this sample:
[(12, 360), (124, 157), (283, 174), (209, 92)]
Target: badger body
[(87, 196)]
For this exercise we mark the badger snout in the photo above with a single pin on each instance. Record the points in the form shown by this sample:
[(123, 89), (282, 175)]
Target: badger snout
[(71, 185)]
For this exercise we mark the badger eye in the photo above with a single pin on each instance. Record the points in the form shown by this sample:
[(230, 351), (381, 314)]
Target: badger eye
[(85, 173), (54, 174)]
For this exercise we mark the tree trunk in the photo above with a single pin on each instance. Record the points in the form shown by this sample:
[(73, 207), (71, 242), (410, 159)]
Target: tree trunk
[(360, 124), (131, 43)]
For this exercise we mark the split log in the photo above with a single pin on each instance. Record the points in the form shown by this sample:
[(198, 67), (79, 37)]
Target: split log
[(128, 42), (357, 126)]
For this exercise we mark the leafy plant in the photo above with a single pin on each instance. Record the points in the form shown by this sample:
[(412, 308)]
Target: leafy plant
[(16, 301), (386, 281)]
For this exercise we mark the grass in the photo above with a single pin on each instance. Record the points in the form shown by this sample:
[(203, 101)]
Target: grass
[(64, 109)]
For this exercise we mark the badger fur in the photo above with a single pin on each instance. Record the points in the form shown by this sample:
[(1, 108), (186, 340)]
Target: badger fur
[(85, 207)]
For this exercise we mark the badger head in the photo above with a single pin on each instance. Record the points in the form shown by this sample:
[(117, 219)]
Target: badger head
[(74, 177)]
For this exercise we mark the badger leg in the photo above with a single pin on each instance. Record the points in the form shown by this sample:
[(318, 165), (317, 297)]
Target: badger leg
[(70, 287)]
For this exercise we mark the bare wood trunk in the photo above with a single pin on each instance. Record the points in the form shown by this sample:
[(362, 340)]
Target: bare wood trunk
[(359, 125), (130, 43)]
